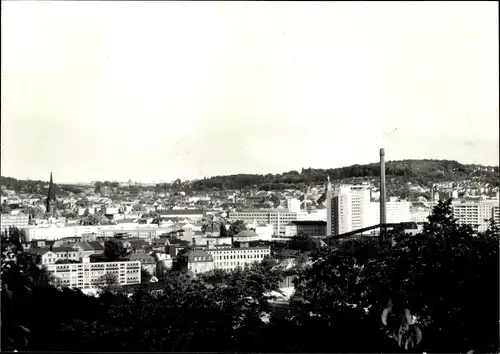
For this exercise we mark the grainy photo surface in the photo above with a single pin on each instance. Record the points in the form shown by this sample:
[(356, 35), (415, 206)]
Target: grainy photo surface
[(282, 177)]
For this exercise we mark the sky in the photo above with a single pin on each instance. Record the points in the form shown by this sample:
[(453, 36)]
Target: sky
[(154, 91)]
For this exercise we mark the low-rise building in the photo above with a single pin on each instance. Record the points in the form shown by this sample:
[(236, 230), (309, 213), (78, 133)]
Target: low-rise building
[(228, 257), (20, 221), (198, 261), (87, 249), (89, 275), (246, 236), (290, 230), (148, 262), (175, 246), (310, 227), (42, 256), (278, 218), (265, 231), (66, 253), (190, 214)]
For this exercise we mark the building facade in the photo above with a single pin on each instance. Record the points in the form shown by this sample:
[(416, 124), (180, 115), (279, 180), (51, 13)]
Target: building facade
[(476, 214), (293, 205), (21, 221), (347, 208), (495, 214), (227, 257), (89, 275), (277, 218), (396, 211), (311, 228)]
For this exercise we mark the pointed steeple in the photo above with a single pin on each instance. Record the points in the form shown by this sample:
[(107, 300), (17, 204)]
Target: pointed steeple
[(51, 195)]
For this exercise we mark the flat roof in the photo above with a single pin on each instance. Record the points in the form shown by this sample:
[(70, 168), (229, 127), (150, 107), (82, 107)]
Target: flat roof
[(309, 222)]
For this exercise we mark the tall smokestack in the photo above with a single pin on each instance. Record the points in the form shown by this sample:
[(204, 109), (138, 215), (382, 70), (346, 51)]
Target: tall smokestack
[(382, 192)]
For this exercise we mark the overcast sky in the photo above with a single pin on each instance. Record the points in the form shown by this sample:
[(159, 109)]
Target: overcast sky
[(160, 90)]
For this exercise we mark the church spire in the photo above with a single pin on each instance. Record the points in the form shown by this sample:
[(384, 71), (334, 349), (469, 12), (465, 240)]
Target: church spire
[(51, 195)]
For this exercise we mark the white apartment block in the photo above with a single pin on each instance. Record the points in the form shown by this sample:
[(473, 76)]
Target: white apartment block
[(348, 208), (495, 214), (395, 211), (20, 221), (88, 275), (475, 213), (275, 217), (53, 232), (293, 205), (419, 216), (227, 257)]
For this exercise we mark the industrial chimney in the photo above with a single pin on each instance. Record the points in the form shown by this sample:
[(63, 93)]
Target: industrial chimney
[(382, 194)]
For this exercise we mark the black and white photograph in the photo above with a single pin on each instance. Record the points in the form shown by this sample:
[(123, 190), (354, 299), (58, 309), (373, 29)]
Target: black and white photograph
[(250, 176)]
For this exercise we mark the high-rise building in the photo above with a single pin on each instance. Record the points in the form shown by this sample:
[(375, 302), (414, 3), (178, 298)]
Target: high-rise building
[(495, 214), (348, 208), (476, 214)]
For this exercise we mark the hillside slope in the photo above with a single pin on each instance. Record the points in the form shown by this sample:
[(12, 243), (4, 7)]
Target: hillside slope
[(419, 171)]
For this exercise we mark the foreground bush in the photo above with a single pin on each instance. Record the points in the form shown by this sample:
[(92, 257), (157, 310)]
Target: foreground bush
[(435, 292)]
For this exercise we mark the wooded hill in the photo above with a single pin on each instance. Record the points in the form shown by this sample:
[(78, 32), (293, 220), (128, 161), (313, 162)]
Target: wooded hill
[(416, 171), (419, 171)]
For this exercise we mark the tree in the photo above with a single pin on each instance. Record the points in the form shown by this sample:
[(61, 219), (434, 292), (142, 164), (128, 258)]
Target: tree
[(113, 249), (236, 227), (97, 187), (18, 273), (108, 284), (223, 230), (301, 242), (442, 278), (145, 276), (5, 208)]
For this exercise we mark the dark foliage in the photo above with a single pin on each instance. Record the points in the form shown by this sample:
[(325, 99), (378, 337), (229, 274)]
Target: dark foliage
[(434, 292), (419, 171), (113, 249), (236, 227)]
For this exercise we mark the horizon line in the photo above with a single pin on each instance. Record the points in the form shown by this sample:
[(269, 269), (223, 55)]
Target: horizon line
[(241, 173)]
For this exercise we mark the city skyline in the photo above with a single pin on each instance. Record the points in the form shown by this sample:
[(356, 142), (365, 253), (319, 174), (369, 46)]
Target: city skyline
[(203, 89)]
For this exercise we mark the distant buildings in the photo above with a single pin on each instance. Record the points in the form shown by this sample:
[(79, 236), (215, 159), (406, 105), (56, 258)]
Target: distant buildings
[(496, 214), (249, 236), (396, 211), (476, 214), (310, 227), (20, 221), (192, 214), (348, 208), (90, 275), (198, 261), (293, 205), (228, 257), (278, 218)]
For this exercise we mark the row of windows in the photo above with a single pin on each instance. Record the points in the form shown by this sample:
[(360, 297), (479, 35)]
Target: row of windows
[(240, 256), (229, 264), (66, 255), (256, 250)]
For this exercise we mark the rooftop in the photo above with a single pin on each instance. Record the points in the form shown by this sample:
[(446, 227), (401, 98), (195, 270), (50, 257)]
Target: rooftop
[(309, 222), (181, 212), (198, 255), (247, 233)]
